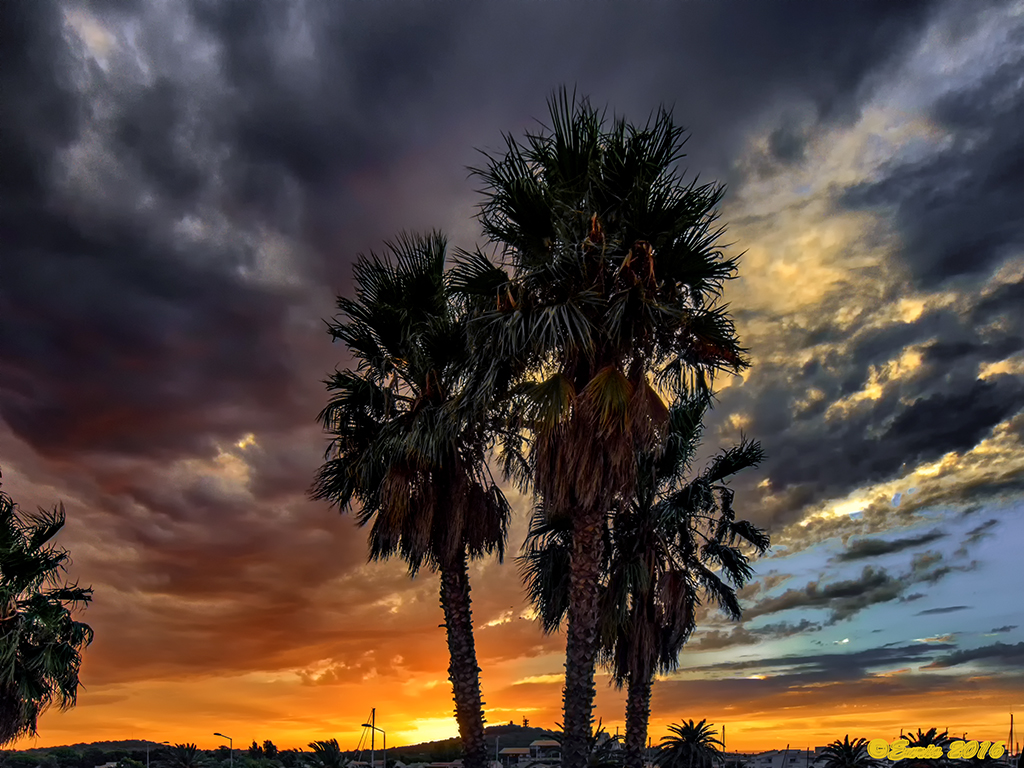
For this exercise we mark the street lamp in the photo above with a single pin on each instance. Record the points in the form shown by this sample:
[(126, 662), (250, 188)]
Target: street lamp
[(385, 751), (147, 752), (231, 749)]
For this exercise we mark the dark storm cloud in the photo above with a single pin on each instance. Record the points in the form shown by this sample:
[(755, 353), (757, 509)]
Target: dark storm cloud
[(1005, 628), (958, 209), (865, 548), (297, 111), (943, 407), (945, 422), (997, 654), (120, 335)]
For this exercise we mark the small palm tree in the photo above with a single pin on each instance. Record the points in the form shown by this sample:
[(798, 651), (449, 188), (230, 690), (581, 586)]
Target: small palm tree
[(326, 754), (846, 754), (40, 644), (928, 738), (184, 756), (931, 737), (690, 745), (411, 449)]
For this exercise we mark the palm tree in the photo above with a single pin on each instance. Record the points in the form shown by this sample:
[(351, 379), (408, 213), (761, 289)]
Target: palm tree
[(605, 292), (410, 450), (846, 754), (690, 745), (928, 738), (676, 544), (931, 737), (184, 756), (660, 557), (662, 553), (40, 644), (326, 754)]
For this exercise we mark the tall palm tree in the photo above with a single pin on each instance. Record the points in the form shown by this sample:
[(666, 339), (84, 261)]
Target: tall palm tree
[(40, 644), (846, 754), (690, 745), (676, 545), (409, 450), (673, 542), (605, 291)]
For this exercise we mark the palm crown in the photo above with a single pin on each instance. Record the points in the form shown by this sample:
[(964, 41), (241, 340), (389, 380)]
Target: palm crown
[(846, 754), (40, 644), (400, 446), (611, 271), (690, 745)]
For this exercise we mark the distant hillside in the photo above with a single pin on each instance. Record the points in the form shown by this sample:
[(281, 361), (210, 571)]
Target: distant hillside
[(509, 735), (106, 746)]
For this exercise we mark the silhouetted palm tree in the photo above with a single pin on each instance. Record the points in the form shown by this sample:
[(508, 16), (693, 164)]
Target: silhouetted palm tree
[(926, 739), (183, 756), (326, 754), (410, 450), (672, 543), (846, 754), (40, 644), (690, 745), (613, 270)]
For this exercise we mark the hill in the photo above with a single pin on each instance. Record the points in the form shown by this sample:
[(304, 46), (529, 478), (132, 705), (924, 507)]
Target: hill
[(508, 735)]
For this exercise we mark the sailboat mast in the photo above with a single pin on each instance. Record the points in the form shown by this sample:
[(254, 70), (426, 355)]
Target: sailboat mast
[(373, 732)]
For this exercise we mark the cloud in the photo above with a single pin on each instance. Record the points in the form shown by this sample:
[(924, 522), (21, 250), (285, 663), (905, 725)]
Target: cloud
[(954, 208), (833, 667), (842, 598), (997, 654), (947, 609), (866, 548)]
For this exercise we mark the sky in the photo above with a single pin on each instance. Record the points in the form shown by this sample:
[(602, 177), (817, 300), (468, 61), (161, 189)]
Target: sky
[(185, 184)]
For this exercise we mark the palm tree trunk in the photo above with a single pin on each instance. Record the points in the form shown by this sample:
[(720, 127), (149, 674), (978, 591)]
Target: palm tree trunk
[(582, 640), (462, 668), (12, 722), (638, 713)]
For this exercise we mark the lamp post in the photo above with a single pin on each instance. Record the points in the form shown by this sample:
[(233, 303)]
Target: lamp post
[(147, 752), (384, 752), (231, 749)]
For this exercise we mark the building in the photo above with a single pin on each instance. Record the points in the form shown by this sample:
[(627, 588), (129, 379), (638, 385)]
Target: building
[(541, 752), (784, 758)]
